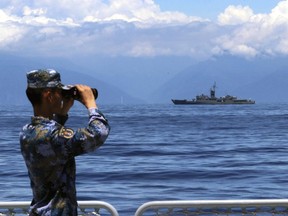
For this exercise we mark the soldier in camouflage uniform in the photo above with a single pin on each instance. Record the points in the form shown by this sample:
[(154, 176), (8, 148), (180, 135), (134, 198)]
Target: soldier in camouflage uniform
[(49, 148)]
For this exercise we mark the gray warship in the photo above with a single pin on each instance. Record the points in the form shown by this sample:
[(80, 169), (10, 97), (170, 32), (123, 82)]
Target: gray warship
[(212, 100)]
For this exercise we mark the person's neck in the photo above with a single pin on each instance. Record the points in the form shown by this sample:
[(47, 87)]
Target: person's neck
[(43, 110)]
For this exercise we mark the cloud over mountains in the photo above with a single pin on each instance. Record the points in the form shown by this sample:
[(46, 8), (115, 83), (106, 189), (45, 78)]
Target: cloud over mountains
[(138, 28)]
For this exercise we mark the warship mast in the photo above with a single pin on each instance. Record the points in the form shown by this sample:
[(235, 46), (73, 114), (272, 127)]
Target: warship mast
[(212, 91)]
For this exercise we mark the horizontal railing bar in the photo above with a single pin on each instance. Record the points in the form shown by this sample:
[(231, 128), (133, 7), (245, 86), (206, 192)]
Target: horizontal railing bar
[(82, 204), (167, 204), (15, 204), (210, 204), (98, 204)]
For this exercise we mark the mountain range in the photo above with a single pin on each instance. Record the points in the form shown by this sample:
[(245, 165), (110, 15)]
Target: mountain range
[(264, 80), (153, 80)]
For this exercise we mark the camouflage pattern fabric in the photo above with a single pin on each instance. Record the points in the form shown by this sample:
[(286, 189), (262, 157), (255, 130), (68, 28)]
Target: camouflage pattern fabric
[(49, 149), (43, 78)]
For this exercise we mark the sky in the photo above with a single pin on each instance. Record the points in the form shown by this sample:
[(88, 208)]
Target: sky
[(199, 29), (212, 8)]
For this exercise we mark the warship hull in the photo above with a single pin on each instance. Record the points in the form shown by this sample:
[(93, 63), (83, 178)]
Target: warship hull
[(211, 102)]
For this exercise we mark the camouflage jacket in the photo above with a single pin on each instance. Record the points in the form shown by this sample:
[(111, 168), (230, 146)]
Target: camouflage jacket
[(48, 149)]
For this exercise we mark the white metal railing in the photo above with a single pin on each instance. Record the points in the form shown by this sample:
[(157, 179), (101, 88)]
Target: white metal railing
[(171, 208), (85, 208), (214, 207)]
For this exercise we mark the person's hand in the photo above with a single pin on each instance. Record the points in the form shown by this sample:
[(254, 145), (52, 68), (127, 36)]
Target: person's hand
[(86, 96)]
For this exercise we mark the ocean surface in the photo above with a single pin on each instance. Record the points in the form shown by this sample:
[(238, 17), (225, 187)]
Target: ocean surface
[(166, 152)]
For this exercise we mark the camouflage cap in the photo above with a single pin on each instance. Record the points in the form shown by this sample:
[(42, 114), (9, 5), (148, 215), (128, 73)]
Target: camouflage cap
[(44, 78)]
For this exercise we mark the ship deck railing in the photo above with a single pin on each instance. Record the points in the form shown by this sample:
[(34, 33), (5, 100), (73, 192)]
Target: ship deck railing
[(85, 208), (261, 207)]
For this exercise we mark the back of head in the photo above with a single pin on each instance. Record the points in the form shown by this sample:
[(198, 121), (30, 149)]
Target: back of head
[(38, 81)]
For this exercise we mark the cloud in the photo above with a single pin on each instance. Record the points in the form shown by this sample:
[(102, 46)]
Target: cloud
[(27, 11), (234, 15), (137, 28), (9, 35), (11, 31), (98, 10), (90, 27), (252, 34)]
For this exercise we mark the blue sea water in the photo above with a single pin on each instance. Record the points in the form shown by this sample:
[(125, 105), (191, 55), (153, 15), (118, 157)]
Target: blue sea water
[(166, 152)]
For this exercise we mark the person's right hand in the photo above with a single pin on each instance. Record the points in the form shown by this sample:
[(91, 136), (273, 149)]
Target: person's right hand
[(86, 96)]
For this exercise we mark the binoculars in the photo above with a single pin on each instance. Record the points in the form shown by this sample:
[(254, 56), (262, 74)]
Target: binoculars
[(73, 93)]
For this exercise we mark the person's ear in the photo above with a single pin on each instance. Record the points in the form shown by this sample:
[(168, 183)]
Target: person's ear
[(47, 95)]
